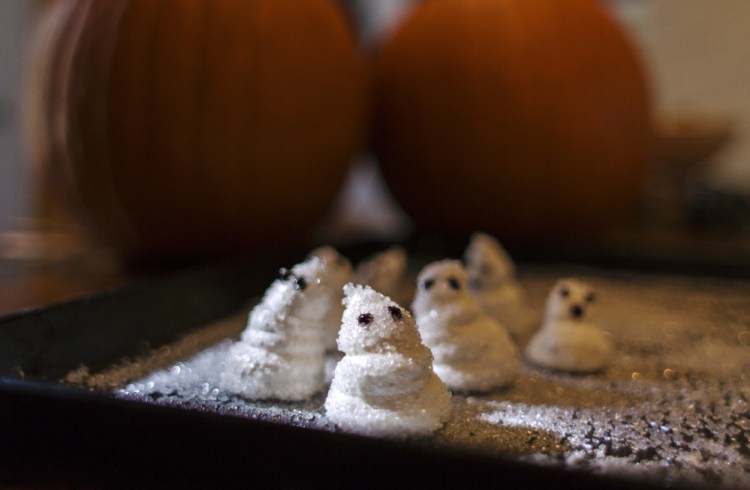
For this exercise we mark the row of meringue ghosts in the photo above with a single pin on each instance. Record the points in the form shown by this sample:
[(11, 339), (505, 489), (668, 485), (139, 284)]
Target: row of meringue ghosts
[(399, 366)]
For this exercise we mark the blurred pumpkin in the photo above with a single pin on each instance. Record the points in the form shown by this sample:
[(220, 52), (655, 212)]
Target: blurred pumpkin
[(525, 118), (192, 128)]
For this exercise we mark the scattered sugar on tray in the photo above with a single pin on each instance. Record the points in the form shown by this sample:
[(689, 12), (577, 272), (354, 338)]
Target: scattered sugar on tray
[(466, 430), (197, 383), (472, 351), (650, 438), (492, 280), (384, 385)]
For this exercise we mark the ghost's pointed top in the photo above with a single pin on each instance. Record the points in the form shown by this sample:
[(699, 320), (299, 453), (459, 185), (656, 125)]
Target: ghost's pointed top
[(314, 268), (443, 268), (487, 257), (373, 322), (304, 290), (360, 297), (332, 258), (389, 263), (361, 293)]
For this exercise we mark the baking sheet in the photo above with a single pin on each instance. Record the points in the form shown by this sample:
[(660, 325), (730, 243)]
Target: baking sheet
[(671, 409)]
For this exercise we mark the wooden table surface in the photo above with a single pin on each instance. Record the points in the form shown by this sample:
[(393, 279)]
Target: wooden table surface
[(39, 268)]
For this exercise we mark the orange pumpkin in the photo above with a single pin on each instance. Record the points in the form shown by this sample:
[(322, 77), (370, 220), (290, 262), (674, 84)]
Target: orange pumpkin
[(525, 118), (191, 128)]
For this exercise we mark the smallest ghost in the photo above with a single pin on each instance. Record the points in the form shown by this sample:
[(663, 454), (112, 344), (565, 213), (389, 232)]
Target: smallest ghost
[(568, 340)]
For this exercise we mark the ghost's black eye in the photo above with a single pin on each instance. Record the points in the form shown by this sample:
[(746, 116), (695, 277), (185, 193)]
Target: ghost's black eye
[(284, 273), (564, 292), (428, 283), (453, 283), (365, 319), (395, 312), (590, 298), (300, 283)]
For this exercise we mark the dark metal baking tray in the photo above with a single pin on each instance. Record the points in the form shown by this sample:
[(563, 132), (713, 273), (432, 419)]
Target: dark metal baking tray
[(53, 431)]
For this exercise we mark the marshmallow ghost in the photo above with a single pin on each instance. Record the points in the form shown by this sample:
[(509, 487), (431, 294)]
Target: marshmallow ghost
[(385, 272), (472, 351), (340, 272), (281, 353), (492, 280), (568, 340), (384, 385)]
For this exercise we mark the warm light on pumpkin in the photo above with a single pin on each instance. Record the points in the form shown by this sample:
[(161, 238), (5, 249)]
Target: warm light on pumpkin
[(191, 128), (525, 118)]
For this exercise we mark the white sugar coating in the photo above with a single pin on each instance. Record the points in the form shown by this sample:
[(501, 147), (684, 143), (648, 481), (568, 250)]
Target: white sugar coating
[(492, 280), (383, 336), (281, 353), (199, 383), (384, 385), (386, 272), (568, 340), (340, 272), (672, 408), (472, 351)]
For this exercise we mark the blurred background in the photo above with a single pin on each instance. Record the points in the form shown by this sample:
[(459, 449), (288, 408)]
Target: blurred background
[(17, 190), (697, 53)]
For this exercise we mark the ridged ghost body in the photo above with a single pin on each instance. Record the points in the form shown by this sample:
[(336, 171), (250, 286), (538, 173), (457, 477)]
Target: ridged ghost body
[(472, 351), (340, 273), (492, 280), (281, 353), (385, 272), (384, 385)]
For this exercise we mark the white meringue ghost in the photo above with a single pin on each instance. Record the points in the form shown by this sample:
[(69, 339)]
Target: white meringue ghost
[(384, 385), (281, 353), (472, 351), (492, 280), (340, 272), (385, 272), (568, 340)]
